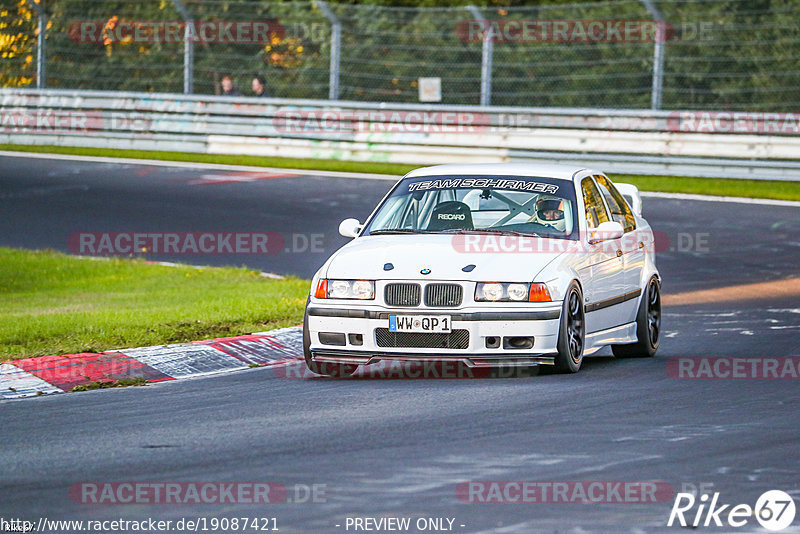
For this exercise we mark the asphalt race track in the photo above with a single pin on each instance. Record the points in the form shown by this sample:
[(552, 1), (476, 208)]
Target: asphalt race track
[(400, 448)]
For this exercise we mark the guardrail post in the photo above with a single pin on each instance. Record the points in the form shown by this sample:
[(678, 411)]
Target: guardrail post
[(486, 57), (188, 48), (658, 54), (41, 56), (336, 45)]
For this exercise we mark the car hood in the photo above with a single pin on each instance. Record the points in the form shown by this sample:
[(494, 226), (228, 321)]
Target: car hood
[(511, 260)]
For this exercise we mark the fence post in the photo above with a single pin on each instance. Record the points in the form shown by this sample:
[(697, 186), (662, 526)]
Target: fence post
[(41, 56), (486, 57), (336, 45), (188, 47), (658, 54)]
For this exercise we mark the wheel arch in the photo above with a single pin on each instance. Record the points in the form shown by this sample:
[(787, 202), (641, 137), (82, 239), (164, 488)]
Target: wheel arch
[(645, 280)]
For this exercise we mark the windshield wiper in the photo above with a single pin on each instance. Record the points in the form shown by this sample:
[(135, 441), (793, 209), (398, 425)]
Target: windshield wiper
[(493, 232), (387, 231)]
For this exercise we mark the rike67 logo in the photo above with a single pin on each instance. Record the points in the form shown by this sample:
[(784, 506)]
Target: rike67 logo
[(774, 510)]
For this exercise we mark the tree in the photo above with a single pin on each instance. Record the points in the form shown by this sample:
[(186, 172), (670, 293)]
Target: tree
[(18, 30)]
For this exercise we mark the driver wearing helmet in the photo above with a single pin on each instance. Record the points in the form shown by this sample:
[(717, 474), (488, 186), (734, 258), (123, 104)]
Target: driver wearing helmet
[(549, 212)]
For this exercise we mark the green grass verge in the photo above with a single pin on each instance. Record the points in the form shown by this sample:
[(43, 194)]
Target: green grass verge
[(670, 184), (122, 383), (774, 189), (259, 161), (54, 303)]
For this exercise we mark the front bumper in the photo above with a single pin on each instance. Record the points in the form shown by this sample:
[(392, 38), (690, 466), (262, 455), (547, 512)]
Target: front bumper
[(361, 323)]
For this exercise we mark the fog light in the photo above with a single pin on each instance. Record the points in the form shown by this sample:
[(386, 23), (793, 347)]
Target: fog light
[(518, 342), (332, 338), (355, 339), (492, 342)]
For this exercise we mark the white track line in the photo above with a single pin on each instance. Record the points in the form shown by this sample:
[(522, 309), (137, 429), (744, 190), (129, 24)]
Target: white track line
[(262, 274), (198, 165), (710, 198), (357, 175)]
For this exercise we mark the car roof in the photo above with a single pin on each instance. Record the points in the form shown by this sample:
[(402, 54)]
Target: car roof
[(565, 172)]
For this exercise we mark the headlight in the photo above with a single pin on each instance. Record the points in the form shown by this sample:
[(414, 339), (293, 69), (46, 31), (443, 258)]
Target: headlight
[(339, 289), (363, 289), (345, 289), (490, 292), (518, 292), (511, 292)]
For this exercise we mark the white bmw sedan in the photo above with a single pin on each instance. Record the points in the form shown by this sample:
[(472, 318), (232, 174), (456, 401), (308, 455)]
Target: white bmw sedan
[(489, 265)]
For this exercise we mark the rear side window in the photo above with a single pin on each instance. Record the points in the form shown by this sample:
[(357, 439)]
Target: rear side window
[(595, 210), (620, 211)]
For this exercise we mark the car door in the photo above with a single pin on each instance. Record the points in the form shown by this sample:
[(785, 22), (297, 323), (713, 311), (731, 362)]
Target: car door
[(633, 251), (603, 272)]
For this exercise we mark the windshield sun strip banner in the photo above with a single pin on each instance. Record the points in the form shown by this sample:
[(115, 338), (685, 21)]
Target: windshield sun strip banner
[(507, 183)]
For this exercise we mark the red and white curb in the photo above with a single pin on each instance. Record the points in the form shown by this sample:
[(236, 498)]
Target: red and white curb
[(57, 374)]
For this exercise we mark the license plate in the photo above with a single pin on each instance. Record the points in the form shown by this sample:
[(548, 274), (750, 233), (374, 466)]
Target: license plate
[(420, 323)]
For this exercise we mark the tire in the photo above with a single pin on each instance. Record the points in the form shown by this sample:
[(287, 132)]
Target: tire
[(572, 331), (648, 325), (327, 369)]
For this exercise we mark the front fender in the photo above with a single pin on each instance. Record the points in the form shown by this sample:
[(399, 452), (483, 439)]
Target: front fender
[(558, 275)]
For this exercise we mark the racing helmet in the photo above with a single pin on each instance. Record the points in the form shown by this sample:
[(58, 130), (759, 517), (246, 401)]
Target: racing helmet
[(550, 211)]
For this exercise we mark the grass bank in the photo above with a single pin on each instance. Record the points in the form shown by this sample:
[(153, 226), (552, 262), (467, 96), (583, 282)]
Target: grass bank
[(59, 304)]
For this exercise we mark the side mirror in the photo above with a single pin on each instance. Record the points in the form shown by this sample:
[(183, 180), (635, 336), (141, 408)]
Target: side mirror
[(631, 194), (350, 227), (606, 231)]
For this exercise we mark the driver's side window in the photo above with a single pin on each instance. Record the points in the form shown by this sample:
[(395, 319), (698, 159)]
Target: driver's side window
[(593, 201)]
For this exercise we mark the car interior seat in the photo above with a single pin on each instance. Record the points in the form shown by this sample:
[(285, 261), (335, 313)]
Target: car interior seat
[(451, 215)]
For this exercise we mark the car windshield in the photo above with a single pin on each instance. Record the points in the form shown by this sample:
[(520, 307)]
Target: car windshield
[(518, 205)]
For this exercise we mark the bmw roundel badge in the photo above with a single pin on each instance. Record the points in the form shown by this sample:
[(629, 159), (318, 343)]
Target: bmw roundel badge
[(425, 271)]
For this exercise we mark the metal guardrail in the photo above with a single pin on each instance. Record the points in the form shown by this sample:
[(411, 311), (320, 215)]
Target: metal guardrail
[(618, 141)]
